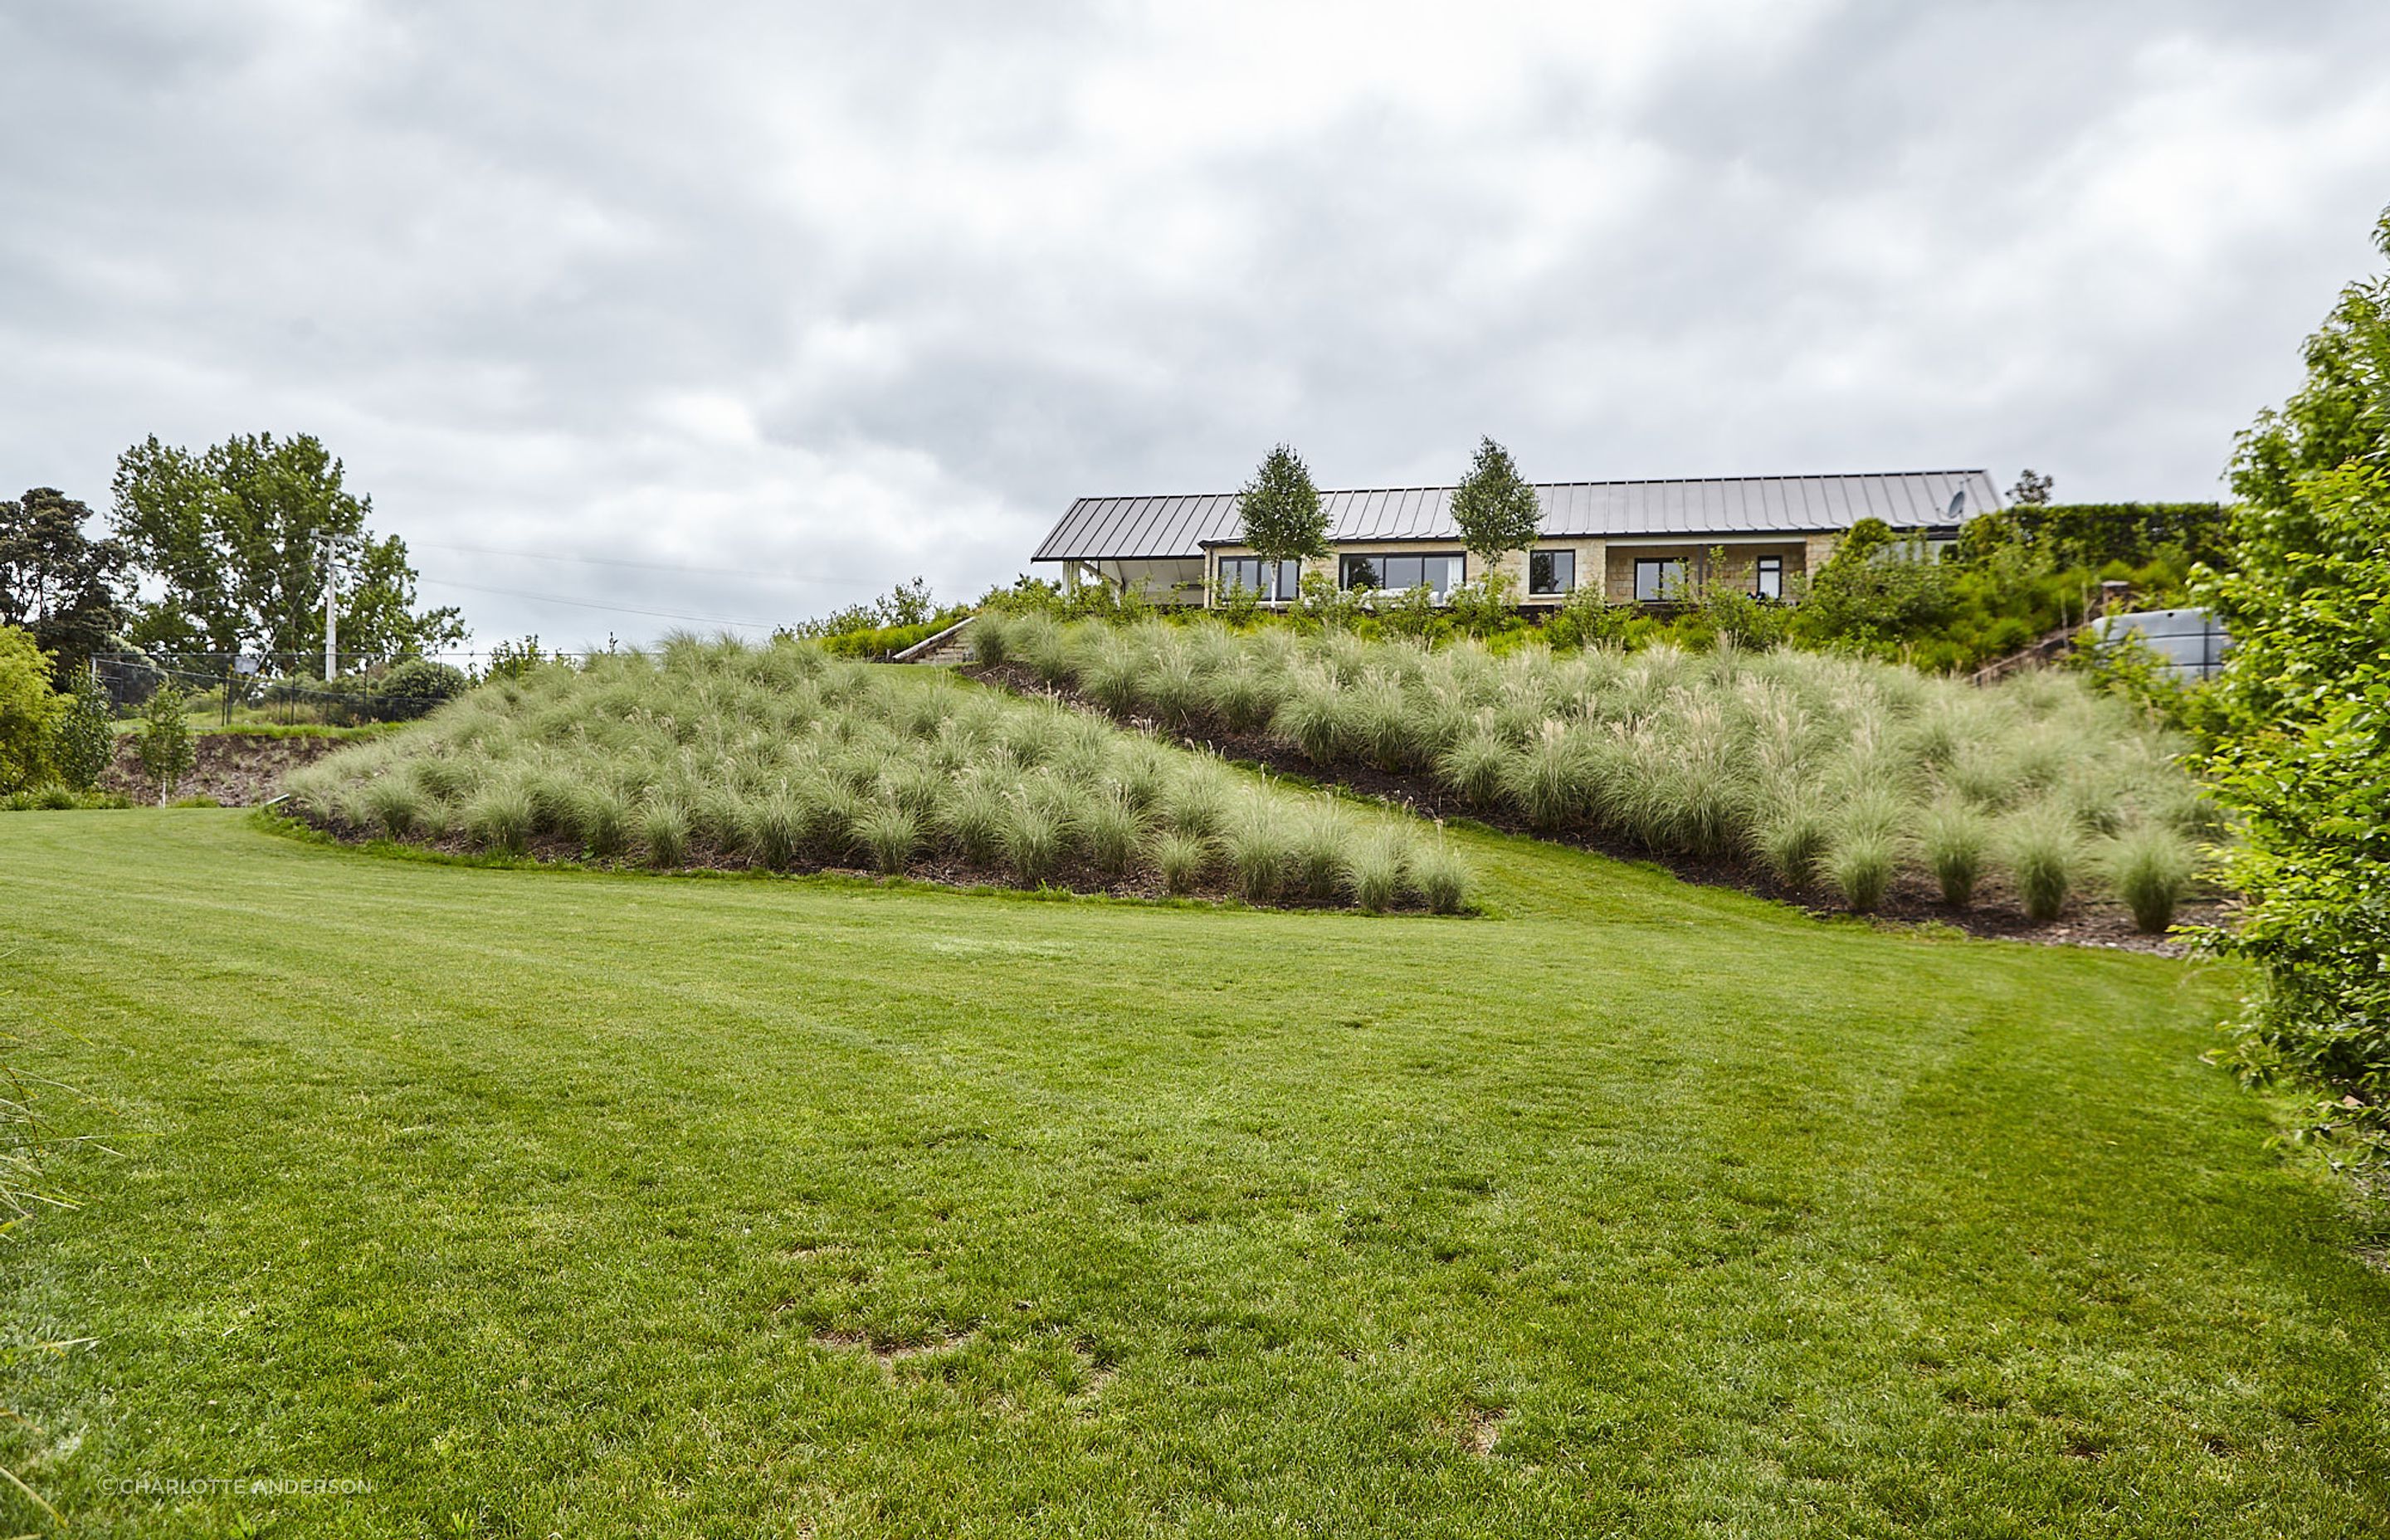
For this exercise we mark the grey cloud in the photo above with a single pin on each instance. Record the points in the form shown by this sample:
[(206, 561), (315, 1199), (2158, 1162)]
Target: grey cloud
[(852, 294)]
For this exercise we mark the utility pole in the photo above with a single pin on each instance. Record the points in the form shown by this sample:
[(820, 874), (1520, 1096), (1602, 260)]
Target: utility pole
[(331, 608), (332, 546)]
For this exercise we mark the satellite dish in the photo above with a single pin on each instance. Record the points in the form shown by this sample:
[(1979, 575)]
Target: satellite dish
[(1958, 504)]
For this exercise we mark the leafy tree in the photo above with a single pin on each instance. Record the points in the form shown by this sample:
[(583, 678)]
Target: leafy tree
[(513, 659), (234, 538), (80, 741), (1495, 506), (164, 745), (1872, 594), (56, 582), (1280, 509), (2304, 704), (2032, 489), (905, 604), (28, 709), (415, 687)]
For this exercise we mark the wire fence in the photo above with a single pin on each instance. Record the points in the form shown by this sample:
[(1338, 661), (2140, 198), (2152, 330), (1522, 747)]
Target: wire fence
[(288, 690)]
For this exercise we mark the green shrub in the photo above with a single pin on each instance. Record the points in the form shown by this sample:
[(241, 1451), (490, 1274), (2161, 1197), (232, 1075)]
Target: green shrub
[(1861, 866), (500, 815), (971, 817), (2043, 852), (1547, 781), (600, 819), (164, 745), (1373, 874), (1955, 837), (891, 835), (1173, 691), (28, 710), (1793, 836), (777, 829), (1033, 840), (1474, 768), (1258, 854), (82, 744), (2303, 725), (1109, 832), (829, 816), (1183, 860), (664, 831), (414, 688), (1241, 699), (395, 803), (1311, 718), (1440, 878), (990, 640), (1316, 855), (1384, 723), (60, 799), (1197, 805), (2151, 867)]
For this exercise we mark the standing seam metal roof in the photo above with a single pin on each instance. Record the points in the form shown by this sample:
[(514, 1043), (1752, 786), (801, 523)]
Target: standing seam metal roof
[(1133, 528)]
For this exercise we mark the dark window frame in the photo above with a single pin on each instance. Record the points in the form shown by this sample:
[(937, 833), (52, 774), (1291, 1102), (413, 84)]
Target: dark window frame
[(1289, 578), (1563, 554), (1762, 570), (1376, 563), (1660, 594)]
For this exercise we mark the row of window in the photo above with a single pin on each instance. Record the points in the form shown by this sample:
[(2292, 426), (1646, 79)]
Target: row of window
[(1657, 579), (1660, 580)]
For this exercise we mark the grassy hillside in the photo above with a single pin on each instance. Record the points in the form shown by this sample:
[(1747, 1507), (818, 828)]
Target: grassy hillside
[(603, 1204), (782, 757), (1835, 776)]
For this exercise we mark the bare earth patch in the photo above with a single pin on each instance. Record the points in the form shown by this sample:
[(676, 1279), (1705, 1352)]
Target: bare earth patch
[(888, 1354), (237, 769)]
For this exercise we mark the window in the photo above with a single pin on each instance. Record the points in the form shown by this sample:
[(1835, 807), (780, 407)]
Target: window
[(1393, 574), (1658, 579), (1767, 578), (1551, 572), (1271, 581)]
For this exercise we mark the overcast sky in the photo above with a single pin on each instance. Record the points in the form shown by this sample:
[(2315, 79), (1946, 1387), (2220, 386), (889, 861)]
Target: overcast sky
[(824, 297)]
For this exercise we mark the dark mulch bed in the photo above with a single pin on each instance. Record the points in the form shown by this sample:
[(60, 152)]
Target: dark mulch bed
[(237, 769), (1996, 912), (1075, 877)]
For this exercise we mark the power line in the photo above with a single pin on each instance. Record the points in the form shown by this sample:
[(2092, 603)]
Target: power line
[(588, 604), (652, 566)]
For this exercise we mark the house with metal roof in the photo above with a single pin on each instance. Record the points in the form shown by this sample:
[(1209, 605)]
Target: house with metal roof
[(1640, 542)]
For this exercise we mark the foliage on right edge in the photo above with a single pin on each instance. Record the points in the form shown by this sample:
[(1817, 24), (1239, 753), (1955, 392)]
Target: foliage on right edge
[(2305, 718)]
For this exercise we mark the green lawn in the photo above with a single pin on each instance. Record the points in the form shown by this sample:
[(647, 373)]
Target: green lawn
[(559, 1203)]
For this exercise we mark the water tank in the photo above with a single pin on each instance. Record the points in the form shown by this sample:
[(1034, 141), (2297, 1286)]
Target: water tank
[(2189, 641)]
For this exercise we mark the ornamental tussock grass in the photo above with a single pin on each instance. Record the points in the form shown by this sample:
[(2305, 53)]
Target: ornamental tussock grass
[(1861, 865), (1818, 767), (713, 753), (663, 830), (1373, 874), (1955, 835), (1183, 860), (396, 803), (2151, 867), (1439, 879), (2044, 852), (497, 817)]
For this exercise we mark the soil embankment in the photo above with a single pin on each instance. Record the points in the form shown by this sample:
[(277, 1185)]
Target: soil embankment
[(237, 769)]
